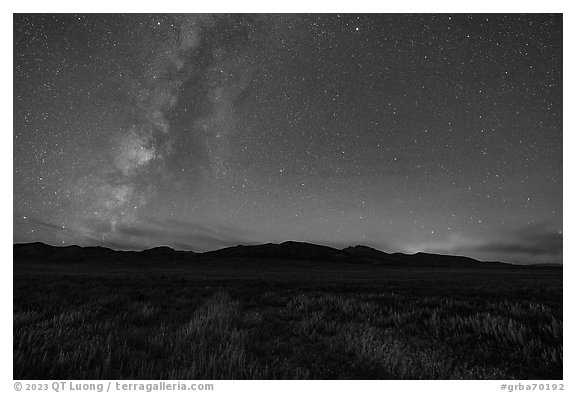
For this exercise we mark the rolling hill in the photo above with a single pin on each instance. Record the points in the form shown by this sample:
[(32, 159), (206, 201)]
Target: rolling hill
[(290, 250)]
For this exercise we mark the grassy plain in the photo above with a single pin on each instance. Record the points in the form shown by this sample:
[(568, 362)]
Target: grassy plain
[(259, 319)]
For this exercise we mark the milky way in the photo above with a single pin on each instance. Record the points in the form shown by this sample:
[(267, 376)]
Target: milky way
[(438, 133)]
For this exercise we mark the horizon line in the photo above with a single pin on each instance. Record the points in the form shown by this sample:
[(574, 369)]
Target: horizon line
[(286, 241)]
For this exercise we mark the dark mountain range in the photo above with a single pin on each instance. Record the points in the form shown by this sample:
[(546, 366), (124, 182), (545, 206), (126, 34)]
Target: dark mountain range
[(289, 250), (286, 250)]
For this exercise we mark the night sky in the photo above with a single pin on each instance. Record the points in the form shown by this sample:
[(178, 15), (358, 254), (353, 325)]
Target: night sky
[(438, 133)]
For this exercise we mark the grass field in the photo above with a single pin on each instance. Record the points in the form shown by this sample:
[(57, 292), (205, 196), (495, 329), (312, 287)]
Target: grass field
[(281, 320)]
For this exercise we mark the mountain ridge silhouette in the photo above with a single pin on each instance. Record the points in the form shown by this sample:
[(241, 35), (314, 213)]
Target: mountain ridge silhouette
[(288, 250)]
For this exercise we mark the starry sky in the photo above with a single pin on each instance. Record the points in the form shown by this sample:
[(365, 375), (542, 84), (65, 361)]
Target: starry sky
[(404, 132)]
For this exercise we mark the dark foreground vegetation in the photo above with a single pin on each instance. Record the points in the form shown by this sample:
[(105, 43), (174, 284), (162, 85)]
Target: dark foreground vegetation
[(221, 317)]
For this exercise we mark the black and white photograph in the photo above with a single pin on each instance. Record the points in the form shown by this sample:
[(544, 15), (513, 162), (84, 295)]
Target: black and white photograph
[(287, 196)]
